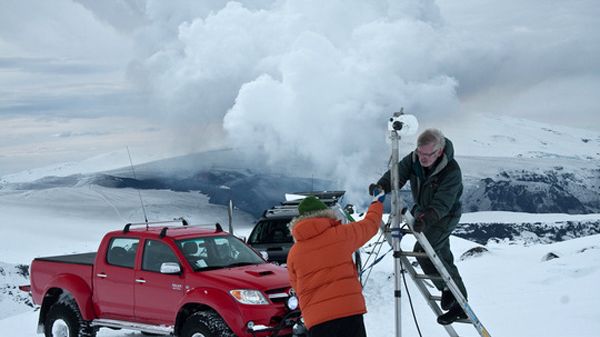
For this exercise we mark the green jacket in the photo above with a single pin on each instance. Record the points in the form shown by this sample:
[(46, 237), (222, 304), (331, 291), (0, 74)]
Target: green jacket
[(440, 190)]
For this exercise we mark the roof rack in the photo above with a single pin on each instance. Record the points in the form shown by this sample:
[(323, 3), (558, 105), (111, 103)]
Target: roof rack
[(281, 211), (328, 202), (163, 232), (147, 224), (327, 197)]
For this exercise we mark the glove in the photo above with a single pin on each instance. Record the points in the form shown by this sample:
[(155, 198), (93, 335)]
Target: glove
[(374, 187), (427, 218), (419, 225), (379, 195)]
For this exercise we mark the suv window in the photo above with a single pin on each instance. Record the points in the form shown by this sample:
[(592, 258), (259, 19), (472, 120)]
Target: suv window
[(155, 254), (271, 231), (121, 252)]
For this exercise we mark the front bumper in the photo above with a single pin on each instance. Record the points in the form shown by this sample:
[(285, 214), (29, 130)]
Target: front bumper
[(291, 323)]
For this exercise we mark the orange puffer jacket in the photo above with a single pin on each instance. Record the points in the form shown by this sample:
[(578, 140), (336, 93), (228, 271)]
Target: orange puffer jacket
[(320, 264)]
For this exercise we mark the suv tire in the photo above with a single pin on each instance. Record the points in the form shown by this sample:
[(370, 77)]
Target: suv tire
[(205, 324), (64, 320)]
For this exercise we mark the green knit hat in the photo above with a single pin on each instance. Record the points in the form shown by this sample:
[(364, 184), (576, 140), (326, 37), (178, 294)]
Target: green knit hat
[(311, 204)]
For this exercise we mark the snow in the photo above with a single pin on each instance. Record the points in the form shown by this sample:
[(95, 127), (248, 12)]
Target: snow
[(519, 217), (98, 163), (67, 220), (504, 136), (512, 289)]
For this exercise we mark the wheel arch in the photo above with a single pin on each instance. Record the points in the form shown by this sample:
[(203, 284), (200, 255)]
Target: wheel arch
[(214, 300), (67, 285)]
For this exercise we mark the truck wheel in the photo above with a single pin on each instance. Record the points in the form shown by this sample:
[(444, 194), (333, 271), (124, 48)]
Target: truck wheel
[(64, 320), (205, 324)]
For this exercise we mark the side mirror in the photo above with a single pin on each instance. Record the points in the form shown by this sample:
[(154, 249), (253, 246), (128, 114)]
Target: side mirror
[(264, 255), (170, 268)]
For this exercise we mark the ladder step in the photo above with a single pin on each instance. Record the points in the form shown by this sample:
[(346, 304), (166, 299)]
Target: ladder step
[(428, 277), (414, 254), (435, 298)]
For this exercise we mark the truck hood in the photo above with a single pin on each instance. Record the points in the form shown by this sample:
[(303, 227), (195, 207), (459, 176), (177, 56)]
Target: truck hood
[(261, 277)]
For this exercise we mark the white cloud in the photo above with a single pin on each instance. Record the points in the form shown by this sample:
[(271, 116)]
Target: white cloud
[(290, 76)]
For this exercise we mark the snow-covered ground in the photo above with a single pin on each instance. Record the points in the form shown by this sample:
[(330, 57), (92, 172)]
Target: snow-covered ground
[(511, 288)]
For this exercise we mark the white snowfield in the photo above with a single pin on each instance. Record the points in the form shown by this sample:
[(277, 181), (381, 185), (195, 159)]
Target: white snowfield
[(512, 289)]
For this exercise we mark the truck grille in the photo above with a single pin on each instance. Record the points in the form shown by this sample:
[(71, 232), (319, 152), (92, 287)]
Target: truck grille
[(279, 295)]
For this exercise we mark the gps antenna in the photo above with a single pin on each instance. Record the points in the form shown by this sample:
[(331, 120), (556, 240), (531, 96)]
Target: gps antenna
[(138, 190)]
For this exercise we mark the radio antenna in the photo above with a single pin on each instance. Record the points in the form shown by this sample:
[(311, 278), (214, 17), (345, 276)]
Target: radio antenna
[(138, 190)]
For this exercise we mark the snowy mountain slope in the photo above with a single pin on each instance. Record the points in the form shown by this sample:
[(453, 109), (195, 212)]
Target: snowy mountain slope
[(503, 136), (99, 163), (508, 164), (13, 300), (519, 166), (512, 288), (526, 228), (538, 185), (64, 220), (510, 283)]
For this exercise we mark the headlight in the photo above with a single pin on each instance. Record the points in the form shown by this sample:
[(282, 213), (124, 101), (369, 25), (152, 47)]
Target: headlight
[(292, 302), (247, 296)]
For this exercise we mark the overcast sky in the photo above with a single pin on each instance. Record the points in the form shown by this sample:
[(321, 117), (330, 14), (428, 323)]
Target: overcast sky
[(80, 78)]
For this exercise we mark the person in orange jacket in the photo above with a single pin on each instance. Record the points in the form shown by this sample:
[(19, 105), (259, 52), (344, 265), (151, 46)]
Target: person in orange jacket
[(322, 271)]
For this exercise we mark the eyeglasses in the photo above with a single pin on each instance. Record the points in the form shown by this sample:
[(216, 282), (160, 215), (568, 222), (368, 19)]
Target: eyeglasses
[(428, 155)]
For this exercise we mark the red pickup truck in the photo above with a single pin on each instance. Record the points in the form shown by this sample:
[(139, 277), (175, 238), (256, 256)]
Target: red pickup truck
[(186, 281)]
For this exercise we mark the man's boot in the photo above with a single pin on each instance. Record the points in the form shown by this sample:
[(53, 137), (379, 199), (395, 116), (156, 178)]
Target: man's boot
[(448, 299), (454, 314)]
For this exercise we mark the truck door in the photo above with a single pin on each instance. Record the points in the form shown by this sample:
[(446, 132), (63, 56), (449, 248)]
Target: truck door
[(113, 279), (157, 295)]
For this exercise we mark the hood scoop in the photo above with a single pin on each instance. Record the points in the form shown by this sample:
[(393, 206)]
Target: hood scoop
[(259, 273)]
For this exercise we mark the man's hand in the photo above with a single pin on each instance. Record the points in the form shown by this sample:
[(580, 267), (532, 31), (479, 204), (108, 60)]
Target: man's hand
[(425, 219), (374, 187)]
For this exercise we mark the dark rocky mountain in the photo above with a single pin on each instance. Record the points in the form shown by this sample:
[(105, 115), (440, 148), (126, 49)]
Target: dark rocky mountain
[(491, 184), (531, 185), (527, 233)]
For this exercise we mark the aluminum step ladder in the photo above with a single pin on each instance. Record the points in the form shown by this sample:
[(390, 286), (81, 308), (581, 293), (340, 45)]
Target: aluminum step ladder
[(399, 125), (420, 279)]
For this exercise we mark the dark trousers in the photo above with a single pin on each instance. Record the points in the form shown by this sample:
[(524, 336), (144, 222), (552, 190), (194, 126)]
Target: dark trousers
[(439, 237), (351, 326)]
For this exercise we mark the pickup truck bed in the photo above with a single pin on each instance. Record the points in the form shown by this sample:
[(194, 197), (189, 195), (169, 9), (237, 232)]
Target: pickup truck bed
[(84, 258)]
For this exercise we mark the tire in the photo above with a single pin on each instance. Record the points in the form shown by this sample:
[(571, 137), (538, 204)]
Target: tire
[(205, 324), (64, 320)]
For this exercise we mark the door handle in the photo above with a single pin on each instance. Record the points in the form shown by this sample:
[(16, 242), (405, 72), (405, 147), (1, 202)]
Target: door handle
[(102, 275), (139, 280)]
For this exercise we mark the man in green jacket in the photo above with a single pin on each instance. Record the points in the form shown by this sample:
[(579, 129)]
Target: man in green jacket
[(436, 185)]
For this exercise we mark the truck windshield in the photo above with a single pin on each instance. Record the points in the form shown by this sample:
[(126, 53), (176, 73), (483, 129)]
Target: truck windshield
[(205, 253)]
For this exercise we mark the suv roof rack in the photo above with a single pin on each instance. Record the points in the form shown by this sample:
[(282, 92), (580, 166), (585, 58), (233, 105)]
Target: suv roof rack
[(327, 197), (289, 211)]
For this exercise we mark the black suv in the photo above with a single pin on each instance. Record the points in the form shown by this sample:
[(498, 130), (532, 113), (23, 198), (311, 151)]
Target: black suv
[(271, 233)]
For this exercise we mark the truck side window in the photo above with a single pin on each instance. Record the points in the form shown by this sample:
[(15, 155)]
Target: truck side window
[(155, 254), (121, 252)]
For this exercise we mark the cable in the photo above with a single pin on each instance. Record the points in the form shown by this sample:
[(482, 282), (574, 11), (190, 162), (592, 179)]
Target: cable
[(370, 268), (412, 309), (377, 242)]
